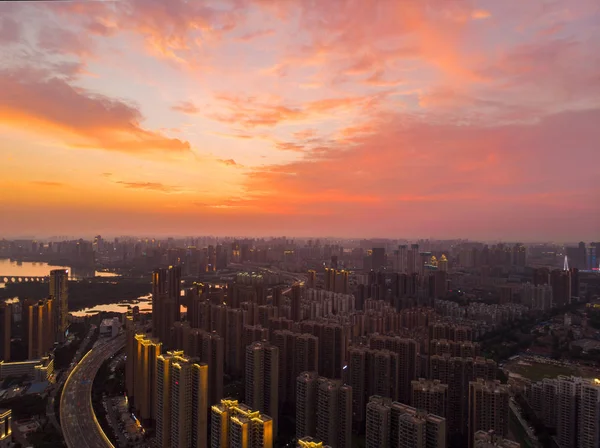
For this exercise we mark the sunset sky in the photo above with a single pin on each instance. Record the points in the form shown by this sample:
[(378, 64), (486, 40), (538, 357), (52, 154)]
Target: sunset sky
[(380, 118)]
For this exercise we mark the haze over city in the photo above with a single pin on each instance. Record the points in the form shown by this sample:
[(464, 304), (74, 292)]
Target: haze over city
[(443, 119)]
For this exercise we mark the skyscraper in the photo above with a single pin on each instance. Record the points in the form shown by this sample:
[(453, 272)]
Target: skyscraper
[(561, 287), (407, 351), (310, 442), (262, 379), (145, 366), (296, 302), (166, 301), (307, 384), (569, 389), (589, 415), (234, 337), (488, 439), (236, 425), (402, 258), (163, 393), (5, 330), (431, 396), (5, 428), (334, 413), (406, 427), (378, 258), (488, 408), (213, 350), (59, 293), (378, 425), (180, 406), (39, 327)]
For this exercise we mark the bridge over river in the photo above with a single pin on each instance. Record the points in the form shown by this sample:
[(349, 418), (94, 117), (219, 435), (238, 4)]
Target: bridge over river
[(23, 279)]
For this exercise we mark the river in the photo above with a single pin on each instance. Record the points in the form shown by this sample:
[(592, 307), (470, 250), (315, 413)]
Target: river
[(144, 302)]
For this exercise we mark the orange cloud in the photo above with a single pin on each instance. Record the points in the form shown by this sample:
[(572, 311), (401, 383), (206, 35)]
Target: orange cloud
[(307, 133), (289, 146), (256, 35), (80, 118), (249, 112), (228, 162), (186, 107), (480, 14), (45, 183), (153, 186)]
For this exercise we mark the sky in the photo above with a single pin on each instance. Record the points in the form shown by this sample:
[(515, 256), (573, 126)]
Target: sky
[(348, 118)]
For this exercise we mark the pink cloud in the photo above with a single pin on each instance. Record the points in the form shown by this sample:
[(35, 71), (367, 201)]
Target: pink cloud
[(10, 30), (186, 107), (458, 174)]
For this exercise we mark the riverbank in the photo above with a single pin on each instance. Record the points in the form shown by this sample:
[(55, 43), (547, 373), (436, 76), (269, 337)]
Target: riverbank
[(86, 293)]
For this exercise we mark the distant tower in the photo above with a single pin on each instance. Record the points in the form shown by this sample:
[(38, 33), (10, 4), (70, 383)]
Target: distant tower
[(59, 292), (566, 265)]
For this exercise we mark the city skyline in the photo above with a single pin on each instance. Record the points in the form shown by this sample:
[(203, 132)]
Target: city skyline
[(419, 119)]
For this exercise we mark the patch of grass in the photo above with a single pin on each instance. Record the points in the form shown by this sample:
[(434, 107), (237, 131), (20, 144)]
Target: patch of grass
[(538, 371)]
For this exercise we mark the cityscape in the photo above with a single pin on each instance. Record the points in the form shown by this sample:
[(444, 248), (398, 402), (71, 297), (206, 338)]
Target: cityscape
[(290, 342), (299, 224)]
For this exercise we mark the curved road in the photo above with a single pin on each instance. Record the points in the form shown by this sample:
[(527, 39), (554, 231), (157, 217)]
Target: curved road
[(77, 419)]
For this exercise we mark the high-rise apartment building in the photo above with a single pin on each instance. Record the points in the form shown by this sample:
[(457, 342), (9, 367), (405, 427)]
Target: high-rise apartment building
[(465, 349), (589, 415), (457, 372), (357, 377), (542, 397), (401, 263), (296, 302), (285, 341), (378, 258), (130, 345), (39, 327), (236, 425), (166, 301), (407, 351), (430, 395), (438, 284), (307, 385), (337, 280), (377, 425), (569, 389), (5, 428), (560, 280), (333, 339), (298, 352), (146, 353), (262, 379), (188, 406), (395, 425), (311, 281), (181, 403), (163, 393), (488, 408), (59, 293), (371, 372), (310, 442), (234, 342), (488, 439), (5, 330), (334, 413), (306, 353), (213, 352)]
